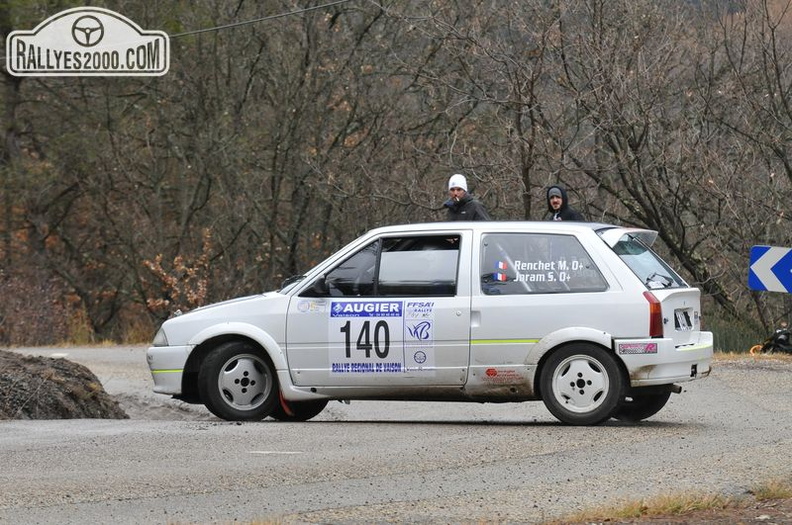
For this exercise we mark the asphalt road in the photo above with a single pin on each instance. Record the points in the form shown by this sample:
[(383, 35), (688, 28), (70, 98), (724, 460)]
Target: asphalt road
[(385, 462)]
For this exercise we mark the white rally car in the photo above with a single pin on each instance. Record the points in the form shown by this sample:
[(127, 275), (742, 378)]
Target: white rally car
[(583, 316)]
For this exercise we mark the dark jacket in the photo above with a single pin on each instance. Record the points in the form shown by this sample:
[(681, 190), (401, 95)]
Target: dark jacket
[(566, 212), (466, 209)]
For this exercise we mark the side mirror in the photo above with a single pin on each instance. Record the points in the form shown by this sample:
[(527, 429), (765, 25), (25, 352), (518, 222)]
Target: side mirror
[(320, 287)]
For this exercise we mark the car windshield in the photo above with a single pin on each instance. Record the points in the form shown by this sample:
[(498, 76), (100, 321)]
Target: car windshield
[(646, 264)]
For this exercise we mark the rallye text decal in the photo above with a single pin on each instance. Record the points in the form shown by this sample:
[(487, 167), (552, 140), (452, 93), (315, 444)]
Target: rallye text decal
[(381, 337)]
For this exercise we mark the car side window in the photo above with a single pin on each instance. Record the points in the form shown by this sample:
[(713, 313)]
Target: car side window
[(419, 266), (355, 276), (395, 266), (525, 263)]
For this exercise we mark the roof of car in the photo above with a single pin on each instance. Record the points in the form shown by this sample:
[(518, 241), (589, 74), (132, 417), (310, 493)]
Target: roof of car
[(497, 225)]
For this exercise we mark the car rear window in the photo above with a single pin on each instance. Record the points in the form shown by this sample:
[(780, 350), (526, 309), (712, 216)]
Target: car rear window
[(533, 263), (646, 264)]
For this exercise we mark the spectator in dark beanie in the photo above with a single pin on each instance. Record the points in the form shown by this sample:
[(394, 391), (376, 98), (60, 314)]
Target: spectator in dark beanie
[(558, 208)]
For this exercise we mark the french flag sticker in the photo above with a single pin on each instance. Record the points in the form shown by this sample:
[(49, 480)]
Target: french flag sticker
[(500, 265), (500, 277)]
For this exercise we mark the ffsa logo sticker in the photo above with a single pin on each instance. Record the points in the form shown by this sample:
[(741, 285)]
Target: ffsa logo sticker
[(87, 41)]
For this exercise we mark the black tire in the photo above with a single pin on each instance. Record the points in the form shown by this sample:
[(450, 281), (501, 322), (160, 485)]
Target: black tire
[(581, 384), (641, 406), (297, 410), (237, 382)]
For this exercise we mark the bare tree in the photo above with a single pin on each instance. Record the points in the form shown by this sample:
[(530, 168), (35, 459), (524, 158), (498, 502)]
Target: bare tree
[(270, 144)]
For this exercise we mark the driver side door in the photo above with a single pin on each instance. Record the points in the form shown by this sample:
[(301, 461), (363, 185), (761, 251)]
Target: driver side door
[(395, 312)]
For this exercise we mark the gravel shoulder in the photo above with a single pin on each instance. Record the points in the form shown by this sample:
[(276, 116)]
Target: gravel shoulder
[(774, 512), (761, 419)]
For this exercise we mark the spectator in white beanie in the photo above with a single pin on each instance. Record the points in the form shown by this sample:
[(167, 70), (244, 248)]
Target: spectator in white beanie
[(461, 205)]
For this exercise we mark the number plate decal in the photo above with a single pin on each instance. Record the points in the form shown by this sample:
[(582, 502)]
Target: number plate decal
[(682, 321), (360, 337), (381, 337)]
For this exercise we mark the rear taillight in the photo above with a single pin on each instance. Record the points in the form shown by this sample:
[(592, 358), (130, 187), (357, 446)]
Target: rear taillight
[(655, 315)]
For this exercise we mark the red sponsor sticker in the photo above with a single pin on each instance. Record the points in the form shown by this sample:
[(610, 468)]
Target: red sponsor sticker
[(637, 348), (502, 376)]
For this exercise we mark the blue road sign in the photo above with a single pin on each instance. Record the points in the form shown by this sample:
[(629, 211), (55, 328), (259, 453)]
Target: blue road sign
[(770, 269)]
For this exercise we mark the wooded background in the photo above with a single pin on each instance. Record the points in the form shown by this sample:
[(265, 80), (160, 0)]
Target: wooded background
[(269, 145)]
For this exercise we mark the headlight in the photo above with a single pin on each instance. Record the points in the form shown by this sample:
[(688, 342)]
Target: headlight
[(160, 339)]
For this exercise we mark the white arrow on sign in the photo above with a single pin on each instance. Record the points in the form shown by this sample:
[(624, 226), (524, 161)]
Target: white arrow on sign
[(766, 272)]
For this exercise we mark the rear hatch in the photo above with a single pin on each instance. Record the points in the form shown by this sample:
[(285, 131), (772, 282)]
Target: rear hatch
[(680, 311), (680, 303)]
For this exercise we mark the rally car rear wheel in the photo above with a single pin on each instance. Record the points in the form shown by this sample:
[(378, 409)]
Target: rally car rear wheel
[(298, 410), (641, 406), (237, 382)]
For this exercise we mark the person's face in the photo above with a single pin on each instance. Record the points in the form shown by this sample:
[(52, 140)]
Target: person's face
[(456, 193), (555, 202)]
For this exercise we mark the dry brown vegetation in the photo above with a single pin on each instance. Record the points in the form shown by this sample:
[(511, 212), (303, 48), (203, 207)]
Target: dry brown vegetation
[(767, 502)]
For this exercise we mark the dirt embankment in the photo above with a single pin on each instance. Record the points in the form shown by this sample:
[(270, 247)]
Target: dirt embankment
[(46, 388)]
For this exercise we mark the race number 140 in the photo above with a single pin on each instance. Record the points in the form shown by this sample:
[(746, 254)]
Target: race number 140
[(379, 341)]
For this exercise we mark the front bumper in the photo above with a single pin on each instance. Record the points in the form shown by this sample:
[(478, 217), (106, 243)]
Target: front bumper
[(166, 364)]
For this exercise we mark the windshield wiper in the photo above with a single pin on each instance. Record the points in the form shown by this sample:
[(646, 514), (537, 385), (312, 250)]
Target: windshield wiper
[(663, 280)]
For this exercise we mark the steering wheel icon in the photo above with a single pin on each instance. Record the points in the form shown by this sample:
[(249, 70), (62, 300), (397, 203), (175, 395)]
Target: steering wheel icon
[(87, 31)]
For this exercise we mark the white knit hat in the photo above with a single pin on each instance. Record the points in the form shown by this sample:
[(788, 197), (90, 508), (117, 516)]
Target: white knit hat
[(457, 181)]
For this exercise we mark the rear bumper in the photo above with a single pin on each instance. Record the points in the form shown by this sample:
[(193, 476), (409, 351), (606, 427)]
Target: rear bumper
[(658, 362), (166, 364)]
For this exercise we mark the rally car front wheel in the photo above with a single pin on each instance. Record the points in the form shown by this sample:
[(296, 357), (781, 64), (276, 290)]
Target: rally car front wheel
[(237, 382)]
